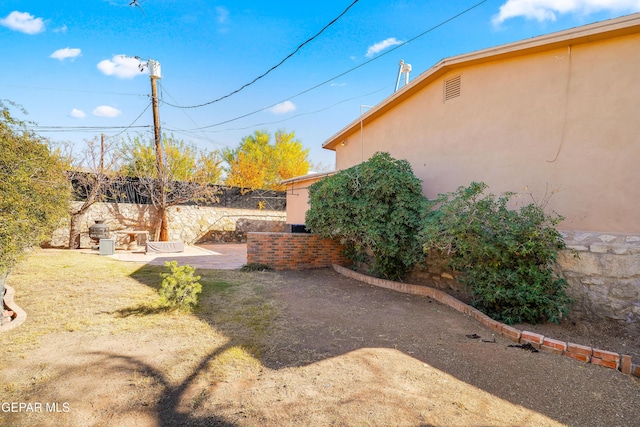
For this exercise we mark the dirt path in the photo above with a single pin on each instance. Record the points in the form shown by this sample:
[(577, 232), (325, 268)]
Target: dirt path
[(340, 316), (338, 352)]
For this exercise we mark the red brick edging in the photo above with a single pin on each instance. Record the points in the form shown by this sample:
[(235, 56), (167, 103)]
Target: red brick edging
[(608, 359)]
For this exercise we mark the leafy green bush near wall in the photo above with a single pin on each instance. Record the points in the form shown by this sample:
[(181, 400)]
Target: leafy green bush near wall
[(505, 256), (375, 210)]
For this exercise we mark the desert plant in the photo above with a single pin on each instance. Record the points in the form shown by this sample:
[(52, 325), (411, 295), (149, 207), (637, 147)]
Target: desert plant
[(506, 256), (374, 209), (180, 288)]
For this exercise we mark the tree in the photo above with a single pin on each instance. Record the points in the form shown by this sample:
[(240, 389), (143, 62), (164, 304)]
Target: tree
[(34, 191), (375, 210), (258, 164), (184, 176), (92, 175)]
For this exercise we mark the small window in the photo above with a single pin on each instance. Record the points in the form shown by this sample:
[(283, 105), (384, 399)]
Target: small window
[(452, 88)]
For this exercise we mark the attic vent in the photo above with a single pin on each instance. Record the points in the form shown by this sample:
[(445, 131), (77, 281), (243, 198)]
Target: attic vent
[(452, 88)]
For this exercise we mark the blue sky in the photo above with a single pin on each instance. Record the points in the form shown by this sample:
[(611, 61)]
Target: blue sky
[(71, 64)]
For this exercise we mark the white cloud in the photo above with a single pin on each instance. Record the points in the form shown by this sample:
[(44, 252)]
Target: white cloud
[(338, 84), (283, 107), (380, 46), (547, 10), (223, 14), (106, 111), (121, 66), (65, 53), (23, 22), (62, 29), (77, 114)]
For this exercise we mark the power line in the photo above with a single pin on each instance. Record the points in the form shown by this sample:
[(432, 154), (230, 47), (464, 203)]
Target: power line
[(75, 90), (348, 71), (93, 129), (186, 131), (270, 69), (82, 128), (133, 122), (163, 89)]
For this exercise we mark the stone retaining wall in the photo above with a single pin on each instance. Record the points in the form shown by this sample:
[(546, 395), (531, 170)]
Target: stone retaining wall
[(187, 223), (604, 278)]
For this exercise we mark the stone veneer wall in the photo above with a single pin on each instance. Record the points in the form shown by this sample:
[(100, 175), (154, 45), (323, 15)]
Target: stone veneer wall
[(604, 280), (293, 251), (186, 223)]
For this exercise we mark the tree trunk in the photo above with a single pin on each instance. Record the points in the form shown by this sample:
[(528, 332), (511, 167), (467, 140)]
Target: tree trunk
[(74, 231), (162, 225), (3, 276)]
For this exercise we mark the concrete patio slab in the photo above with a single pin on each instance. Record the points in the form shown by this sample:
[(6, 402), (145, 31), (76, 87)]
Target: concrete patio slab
[(222, 256)]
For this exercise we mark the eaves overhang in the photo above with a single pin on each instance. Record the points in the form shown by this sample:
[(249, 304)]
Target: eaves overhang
[(307, 177)]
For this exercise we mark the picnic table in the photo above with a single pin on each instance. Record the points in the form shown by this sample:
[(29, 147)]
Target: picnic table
[(133, 243)]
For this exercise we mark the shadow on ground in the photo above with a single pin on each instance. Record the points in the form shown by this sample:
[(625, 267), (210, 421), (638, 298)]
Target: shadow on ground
[(317, 315), (325, 342)]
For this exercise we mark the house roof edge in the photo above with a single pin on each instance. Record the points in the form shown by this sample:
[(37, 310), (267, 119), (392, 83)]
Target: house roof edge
[(616, 27)]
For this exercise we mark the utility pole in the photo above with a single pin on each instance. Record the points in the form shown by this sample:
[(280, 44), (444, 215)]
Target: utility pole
[(154, 73), (162, 231)]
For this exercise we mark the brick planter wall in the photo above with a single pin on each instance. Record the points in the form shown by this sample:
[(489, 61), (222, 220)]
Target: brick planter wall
[(293, 251)]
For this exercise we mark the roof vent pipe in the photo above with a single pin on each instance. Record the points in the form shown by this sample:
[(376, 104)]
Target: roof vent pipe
[(404, 69)]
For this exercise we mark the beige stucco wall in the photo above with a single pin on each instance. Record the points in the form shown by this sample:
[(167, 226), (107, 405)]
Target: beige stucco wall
[(298, 198), (566, 120)]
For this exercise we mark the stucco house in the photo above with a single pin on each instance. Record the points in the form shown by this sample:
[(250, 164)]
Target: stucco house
[(298, 196), (556, 115)]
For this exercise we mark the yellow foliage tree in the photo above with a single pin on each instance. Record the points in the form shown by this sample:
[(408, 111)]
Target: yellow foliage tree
[(258, 164)]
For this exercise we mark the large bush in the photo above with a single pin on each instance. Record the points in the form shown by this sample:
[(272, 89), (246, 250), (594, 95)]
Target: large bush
[(34, 190), (375, 210), (505, 255)]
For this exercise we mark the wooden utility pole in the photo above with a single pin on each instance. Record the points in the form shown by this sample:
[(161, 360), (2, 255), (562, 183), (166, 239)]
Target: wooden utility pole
[(156, 113), (162, 230)]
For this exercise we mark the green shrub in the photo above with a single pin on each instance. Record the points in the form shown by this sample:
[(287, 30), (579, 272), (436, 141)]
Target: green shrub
[(505, 256), (375, 210), (34, 190), (180, 288), (255, 266)]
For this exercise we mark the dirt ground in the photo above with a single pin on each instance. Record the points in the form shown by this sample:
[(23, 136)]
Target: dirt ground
[(605, 334), (336, 352)]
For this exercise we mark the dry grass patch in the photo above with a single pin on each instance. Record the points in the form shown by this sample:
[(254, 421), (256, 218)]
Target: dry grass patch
[(72, 291), (95, 318)]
